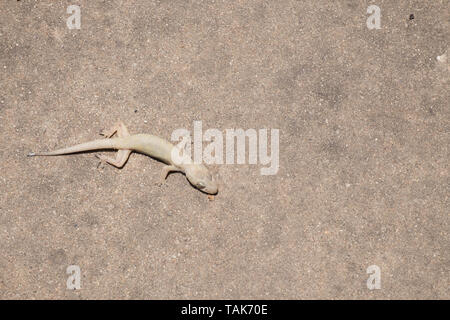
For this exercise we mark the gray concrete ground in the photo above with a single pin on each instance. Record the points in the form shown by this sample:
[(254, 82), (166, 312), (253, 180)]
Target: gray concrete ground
[(364, 149)]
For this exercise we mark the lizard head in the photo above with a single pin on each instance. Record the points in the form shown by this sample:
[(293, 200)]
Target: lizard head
[(201, 178)]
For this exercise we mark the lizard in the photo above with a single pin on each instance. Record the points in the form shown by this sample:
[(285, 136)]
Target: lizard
[(197, 174)]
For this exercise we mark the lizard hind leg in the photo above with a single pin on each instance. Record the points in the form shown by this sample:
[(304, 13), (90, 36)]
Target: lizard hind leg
[(119, 128), (122, 155), (119, 161)]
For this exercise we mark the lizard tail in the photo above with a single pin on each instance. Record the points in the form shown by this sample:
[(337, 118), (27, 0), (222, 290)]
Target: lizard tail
[(88, 146)]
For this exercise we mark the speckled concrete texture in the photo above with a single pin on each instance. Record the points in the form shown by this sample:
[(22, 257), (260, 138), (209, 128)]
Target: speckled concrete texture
[(364, 149)]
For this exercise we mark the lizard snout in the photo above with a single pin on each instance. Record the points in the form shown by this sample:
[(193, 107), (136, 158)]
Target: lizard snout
[(201, 178)]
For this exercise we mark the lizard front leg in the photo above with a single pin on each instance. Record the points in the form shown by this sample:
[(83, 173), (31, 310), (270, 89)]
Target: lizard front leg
[(165, 171)]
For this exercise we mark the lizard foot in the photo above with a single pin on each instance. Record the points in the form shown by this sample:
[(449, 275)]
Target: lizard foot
[(107, 133), (160, 182), (100, 157)]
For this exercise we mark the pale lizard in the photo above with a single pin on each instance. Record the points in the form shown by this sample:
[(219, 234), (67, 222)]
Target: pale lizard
[(197, 174)]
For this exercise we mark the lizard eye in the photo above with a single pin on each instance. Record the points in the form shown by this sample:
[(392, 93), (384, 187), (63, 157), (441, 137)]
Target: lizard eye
[(201, 185)]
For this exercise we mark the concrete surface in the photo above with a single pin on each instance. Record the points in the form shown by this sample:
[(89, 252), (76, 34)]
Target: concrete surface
[(364, 158)]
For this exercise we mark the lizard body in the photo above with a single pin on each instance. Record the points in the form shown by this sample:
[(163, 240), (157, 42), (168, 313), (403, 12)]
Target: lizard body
[(197, 174)]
